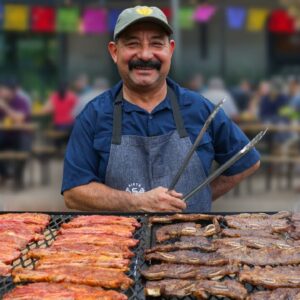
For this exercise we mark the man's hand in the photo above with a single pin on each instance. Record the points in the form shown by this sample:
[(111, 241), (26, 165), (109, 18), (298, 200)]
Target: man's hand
[(159, 199)]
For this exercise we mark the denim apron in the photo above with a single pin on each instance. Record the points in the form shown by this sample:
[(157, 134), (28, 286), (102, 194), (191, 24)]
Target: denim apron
[(138, 164)]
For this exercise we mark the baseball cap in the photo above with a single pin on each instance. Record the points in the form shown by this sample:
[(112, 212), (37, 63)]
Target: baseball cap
[(136, 14)]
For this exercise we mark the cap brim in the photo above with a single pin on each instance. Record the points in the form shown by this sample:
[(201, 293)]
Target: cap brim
[(164, 25)]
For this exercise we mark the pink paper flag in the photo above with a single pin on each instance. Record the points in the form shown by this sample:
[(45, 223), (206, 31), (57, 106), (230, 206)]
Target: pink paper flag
[(95, 20), (204, 13)]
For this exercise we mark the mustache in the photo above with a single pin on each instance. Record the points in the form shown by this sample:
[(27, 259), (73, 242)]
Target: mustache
[(144, 64)]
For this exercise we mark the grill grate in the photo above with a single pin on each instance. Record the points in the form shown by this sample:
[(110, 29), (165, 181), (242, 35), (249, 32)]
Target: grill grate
[(133, 293)]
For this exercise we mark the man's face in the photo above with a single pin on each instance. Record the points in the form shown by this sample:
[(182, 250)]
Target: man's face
[(143, 55), (6, 93)]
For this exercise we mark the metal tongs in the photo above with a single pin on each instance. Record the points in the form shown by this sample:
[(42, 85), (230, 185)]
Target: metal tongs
[(225, 166), (196, 143)]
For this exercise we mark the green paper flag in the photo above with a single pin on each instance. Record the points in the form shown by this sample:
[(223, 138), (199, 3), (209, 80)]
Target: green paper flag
[(67, 20), (186, 18)]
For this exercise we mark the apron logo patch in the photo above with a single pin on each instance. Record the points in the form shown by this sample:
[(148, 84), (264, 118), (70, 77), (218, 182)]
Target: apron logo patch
[(135, 188)]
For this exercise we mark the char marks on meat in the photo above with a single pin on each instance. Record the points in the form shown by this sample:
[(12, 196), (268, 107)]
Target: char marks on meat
[(272, 277), (182, 218), (177, 271), (188, 257), (94, 276), (54, 291), (198, 288)]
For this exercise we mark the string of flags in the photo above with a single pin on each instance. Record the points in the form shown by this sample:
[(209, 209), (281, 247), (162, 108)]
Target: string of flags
[(39, 18)]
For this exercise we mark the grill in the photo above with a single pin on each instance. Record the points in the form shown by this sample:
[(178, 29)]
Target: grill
[(145, 234), (134, 293)]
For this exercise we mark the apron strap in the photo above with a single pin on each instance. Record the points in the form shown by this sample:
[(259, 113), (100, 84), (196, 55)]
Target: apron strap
[(177, 114), (117, 117)]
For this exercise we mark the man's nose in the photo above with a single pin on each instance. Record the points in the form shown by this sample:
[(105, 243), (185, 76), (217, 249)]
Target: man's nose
[(145, 53)]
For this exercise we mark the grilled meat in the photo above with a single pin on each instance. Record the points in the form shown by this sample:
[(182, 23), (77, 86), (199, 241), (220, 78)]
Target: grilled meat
[(83, 260), (8, 253), (162, 271), (267, 233), (4, 269), (83, 221), (296, 217), (94, 239), (118, 230), (277, 294), (182, 218), (54, 291), (188, 257), (27, 218), (81, 249), (274, 224), (94, 276), (11, 225), (294, 231), (261, 257), (185, 229), (199, 288), (272, 277), (185, 243)]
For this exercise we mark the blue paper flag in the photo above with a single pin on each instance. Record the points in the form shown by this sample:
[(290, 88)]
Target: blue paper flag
[(236, 17), (112, 18), (1, 15)]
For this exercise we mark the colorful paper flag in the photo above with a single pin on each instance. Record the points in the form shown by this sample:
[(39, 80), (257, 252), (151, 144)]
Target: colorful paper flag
[(236, 17), (95, 20), (42, 19), (281, 22), (168, 12), (113, 15), (257, 19), (204, 13), (67, 19), (186, 17), (16, 17)]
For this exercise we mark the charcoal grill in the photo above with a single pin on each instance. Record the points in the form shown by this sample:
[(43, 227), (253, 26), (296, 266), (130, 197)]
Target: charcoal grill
[(145, 234)]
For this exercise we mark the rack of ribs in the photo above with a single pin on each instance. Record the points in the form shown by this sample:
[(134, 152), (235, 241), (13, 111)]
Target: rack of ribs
[(83, 221), (267, 233), (94, 276), (277, 294), (272, 277), (261, 257), (185, 229), (189, 257), (174, 271), (53, 291), (199, 288), (182, 218), (27, 218)]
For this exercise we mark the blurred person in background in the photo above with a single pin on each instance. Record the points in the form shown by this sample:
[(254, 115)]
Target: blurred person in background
[(14, 109), (216, 91), (196, 83), (61, 104), (128, 143), (242, 95), (100, 85)]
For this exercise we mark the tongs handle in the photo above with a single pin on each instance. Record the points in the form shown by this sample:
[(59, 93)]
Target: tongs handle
[(226, 165), (195, 145)]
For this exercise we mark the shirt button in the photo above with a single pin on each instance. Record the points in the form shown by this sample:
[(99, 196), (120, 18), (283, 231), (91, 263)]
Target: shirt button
[(150, 117)]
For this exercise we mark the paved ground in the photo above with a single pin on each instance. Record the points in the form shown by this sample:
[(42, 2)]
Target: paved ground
[(48, 198)]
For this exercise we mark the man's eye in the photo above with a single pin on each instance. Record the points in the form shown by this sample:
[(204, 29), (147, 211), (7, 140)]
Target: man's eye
[(132, 44), (157, 44)]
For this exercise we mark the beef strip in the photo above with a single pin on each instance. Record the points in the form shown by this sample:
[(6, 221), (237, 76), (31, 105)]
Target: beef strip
[(189, 257), (267, 233), (162, 271), (182, 218), (272, 277), (277, 294), (199, 288)]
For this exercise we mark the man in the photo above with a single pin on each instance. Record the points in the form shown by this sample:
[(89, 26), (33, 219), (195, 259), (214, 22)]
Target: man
[(128, 143), (16, 110)]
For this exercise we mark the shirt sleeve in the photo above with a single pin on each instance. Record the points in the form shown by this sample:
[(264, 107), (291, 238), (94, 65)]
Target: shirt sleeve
[(81, 160), (228, 140)]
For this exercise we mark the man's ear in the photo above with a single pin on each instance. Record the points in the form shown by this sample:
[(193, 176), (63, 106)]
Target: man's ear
[(172, 46), (112, 48)]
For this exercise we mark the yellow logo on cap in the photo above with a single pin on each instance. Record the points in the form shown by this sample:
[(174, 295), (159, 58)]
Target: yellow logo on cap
[(145, 11)]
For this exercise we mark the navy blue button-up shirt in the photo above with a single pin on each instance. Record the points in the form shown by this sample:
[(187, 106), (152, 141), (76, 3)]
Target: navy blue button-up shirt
[(88, 149)]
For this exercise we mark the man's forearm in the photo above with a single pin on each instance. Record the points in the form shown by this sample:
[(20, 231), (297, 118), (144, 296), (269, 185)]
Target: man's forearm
[(97, 196), (224, 184)]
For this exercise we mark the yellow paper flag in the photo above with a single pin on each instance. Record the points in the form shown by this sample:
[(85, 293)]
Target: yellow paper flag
[(256, 19), (16, 17)]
